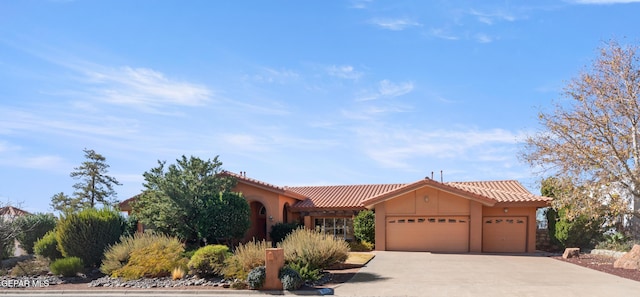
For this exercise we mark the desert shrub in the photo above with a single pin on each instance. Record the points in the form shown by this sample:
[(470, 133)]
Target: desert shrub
[(256, 277), (117, 255), (280, 230), (67, 266), (31, 267), (305, 271), (156, 258), (364, 226), (581, 231), (88, 233), (33, 227), (315, 249), (47, 246), (290, 278), (361, 246), (246, 257), (209, 260), (177, 273), (617, 242)]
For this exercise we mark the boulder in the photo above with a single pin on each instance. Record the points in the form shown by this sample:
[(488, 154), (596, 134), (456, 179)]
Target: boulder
[(571, 253), (630, 260)]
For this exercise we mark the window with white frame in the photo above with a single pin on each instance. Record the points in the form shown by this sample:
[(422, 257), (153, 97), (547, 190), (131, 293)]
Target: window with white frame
[(338, 227)]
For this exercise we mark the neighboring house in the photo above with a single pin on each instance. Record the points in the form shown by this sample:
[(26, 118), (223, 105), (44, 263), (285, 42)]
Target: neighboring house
[(10, 213), (426, 215)]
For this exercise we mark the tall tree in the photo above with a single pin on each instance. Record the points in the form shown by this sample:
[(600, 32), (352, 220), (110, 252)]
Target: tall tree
[(192, 200), (95, 185), (63, 203), (591, 139)]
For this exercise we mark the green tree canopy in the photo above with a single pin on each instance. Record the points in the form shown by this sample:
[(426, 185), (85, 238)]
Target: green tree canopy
[(193, 201)]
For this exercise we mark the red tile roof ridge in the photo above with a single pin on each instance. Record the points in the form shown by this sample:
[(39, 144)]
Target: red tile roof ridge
[(283, 190), (501, 195)]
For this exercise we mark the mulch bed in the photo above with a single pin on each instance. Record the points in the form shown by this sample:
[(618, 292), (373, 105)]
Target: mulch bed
[(604, 264)]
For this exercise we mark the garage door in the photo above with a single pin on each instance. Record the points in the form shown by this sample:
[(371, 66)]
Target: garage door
[(504, 234), (433, 234)]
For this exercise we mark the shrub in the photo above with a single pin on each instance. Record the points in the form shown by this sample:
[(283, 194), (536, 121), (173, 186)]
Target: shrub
[(246, 257), (290, 278), (280, 230), (256, 277), (47, 246), (306, 273), (86, 234), (32, 228), (312, 248), (617, 241), (362, 246), (177, 273), (156, 259), (364, 226), (67, 266), (31, 267), (117, 255), (209, 260), (580, 231)]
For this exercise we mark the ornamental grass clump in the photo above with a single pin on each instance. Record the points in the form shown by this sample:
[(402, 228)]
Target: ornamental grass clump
[(246, 257), (149, 255), (314, 249)]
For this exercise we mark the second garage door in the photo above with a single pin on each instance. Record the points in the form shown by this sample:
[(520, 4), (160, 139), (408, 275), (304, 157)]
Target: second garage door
[(433, 234), (504, 234)]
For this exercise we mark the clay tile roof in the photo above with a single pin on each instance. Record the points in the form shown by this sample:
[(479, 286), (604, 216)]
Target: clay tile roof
[(269, 187), (500, 191), (345, 196), (11, 211)]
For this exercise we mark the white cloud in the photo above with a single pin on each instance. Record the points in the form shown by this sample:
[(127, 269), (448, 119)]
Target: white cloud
[(344, 71), (395, 24), (144, 88), (388, 89), (402, 148), (442, 34), (360, 4), (604, 1), (490, 18), (270, 75), (483, 38)]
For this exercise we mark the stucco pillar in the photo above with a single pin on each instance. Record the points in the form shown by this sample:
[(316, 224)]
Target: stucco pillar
[(274, 261), (308, 223), (381, 227), (531, 232), (475, 227)]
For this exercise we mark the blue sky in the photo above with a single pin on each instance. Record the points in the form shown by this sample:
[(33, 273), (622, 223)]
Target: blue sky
[(292, 92)]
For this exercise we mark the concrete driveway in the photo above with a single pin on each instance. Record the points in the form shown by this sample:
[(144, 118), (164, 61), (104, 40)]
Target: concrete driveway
[(425, 274)]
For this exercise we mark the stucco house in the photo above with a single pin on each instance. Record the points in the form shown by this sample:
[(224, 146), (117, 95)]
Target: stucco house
[(425, 215)]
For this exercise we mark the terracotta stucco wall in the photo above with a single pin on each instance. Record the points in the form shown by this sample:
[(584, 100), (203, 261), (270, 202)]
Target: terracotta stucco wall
[(273, 203)]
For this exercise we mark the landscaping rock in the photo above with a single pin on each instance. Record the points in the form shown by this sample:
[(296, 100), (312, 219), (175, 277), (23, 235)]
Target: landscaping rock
[(571, 253), (160, 282), (630, 260)]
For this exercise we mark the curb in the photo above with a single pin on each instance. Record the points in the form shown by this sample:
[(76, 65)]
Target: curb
[(143, 292)]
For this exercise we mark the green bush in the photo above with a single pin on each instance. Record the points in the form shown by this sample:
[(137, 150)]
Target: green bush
[(246, 257), (33, 227), (361, 246), (151, 256), (312, 248), (306, 273), (280, 230), (290, 279), (67, 266), (364, 226), (617, 242), (256, 277), (88, 233), (209, 260), (47, 246), (581, 231)]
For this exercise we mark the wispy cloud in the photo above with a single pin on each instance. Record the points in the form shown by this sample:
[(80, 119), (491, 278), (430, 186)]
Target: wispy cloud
[(360, 4), (143, 88), (603, 1), (395, 24), (270, 75), (483, 38), (490, 18), (399, 148), (343, 71), (388, 89), (442, 34)]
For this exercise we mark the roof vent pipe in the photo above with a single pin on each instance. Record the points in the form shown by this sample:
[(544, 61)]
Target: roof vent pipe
[(441, 178)]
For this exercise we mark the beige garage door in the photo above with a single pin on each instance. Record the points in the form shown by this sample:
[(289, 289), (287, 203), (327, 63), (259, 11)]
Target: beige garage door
[(433, 234), (504, 234)]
